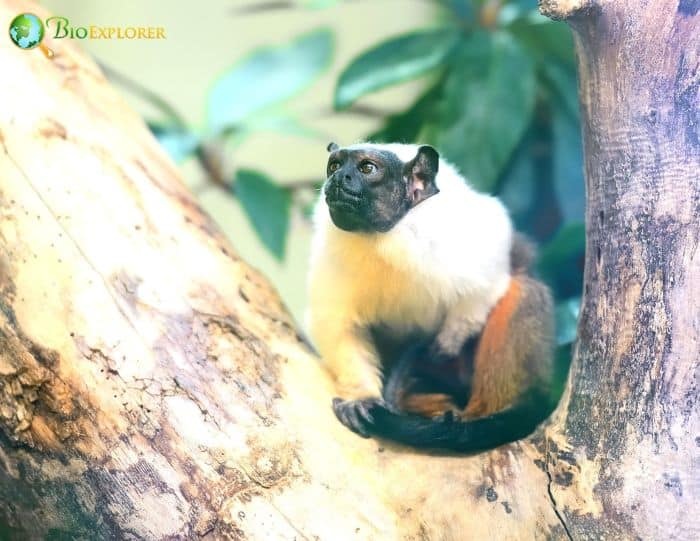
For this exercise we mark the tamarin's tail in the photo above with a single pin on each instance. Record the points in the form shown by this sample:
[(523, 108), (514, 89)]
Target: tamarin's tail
[(452, 434)]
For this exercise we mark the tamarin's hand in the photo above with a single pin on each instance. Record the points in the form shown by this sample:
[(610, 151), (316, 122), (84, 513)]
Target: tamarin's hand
[(356, 414)]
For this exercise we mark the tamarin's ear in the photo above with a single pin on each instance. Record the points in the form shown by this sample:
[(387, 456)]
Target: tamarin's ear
[(332, 147), (421, 172)]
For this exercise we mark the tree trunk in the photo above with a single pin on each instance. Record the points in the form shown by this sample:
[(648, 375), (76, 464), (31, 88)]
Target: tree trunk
[(630, 416), (152, 386)]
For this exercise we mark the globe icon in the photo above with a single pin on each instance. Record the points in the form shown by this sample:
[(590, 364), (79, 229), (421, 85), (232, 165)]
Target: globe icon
[(26, 31)]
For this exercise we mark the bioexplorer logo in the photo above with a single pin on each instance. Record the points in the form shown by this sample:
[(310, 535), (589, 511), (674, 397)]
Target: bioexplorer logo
[(27, 31)]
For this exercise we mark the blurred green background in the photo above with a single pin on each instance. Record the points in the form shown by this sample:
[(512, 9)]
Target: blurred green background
[(245, 95)]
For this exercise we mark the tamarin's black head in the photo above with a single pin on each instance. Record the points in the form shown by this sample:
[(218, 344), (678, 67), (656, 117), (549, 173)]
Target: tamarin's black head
[(369, 189)]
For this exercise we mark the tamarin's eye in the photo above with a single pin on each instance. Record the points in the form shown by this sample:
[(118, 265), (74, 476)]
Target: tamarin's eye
[(333, 167), (367, 168)]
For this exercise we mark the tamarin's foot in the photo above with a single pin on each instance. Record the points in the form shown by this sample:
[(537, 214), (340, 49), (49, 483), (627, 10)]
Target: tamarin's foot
[(356, 414)]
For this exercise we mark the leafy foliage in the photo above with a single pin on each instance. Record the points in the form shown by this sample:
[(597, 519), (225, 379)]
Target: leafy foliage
[(177, 141), (502, 105), (486, 105), (267, 206), (245, 99), (267, 77), (499, 101), (406, 57)]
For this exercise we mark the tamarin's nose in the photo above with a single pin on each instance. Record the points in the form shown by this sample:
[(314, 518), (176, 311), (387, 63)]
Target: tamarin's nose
[(351, 186)]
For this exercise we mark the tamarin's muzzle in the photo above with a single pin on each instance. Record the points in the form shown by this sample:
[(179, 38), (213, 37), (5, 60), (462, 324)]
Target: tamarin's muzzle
[(345, 204), (344, 195)]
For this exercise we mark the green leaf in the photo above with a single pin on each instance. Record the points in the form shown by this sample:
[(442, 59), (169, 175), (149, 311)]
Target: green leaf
[(267, 207), (517, 9), (392, 62), (178, 142), (567, 145), (567, 164), (545, 39), (308, 208), (487, 105), (524, 5), (267, 77), (566, 314), (285, 124), (405, 127), (465, 10), (568, 241), (560, 78), (518, 183), (560, 261)]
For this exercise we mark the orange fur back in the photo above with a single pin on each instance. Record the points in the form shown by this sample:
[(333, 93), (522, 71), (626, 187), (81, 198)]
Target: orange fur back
[(496, 378)]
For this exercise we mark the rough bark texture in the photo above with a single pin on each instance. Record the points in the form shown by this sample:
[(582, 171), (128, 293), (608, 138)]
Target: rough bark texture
[(630, 416), (153, 387)]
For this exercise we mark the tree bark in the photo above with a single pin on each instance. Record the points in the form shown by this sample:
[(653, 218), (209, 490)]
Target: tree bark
[(152, 386), (630, 415)]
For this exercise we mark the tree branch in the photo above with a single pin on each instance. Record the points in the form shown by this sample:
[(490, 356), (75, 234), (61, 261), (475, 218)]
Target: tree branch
[(564, 9)]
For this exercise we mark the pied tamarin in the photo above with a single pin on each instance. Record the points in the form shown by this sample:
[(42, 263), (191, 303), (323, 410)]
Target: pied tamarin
[(421, 306)]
